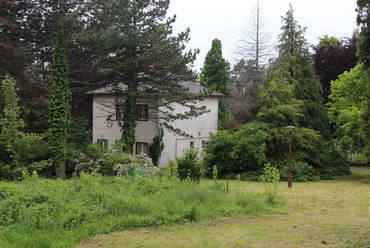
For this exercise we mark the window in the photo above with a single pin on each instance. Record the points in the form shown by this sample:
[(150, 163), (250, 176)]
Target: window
[(142, 112), (203, 143), (141, 148), (120, 110), (102, 142), (191, 144)]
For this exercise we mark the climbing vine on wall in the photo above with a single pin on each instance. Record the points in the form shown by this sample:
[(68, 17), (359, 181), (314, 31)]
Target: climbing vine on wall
[(59, 106)]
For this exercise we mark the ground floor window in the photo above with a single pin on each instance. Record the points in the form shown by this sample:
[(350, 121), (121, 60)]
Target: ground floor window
[(102, 142), (141, 148), (191, 144)]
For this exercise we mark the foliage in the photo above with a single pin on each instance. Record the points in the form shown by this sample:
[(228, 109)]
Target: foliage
[(348, 100), (244, 90), (10, 126), (302, 172), (56, 213), (172, 171), (214, 173), (252, 176), (79, 135), (17, 149), (129, 124), (59, 106), (189, 166), (332, 57), (294, 66), (236, 152), (147, 56), (96, 159), (271, 178), (156, 146), (364, 122), (363, 20), (214, 75)]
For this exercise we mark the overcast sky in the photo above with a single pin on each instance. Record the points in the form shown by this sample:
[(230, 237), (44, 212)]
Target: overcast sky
[(225, 20)]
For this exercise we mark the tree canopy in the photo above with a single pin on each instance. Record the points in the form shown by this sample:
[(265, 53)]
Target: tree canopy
[(347, 104), (332, 57), (294, 66), (214, 73)]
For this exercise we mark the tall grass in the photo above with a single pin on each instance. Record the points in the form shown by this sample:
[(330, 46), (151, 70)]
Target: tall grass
[(54, 213)]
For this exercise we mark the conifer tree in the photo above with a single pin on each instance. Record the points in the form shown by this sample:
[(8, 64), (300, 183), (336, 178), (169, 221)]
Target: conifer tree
[(214, 76), (135, 47), (59, 105), (294, 62)]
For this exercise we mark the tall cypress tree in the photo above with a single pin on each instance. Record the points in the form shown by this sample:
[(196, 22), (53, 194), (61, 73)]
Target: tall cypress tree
[(59, 105), (214, 75), (294, 63)]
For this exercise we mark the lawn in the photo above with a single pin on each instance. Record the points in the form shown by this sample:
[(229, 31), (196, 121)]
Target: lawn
[(314, 214)]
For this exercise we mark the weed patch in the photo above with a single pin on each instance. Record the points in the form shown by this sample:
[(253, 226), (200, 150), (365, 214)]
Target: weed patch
[(55, 213)]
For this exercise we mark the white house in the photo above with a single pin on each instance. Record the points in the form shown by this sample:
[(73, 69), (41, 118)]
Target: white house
[(108, 110)]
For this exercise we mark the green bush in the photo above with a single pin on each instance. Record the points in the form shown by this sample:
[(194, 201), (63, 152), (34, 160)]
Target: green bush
[(302, 172), (253, 176), (112, 162), (236, 152), (270, 178), (172, 171), (189, 166)]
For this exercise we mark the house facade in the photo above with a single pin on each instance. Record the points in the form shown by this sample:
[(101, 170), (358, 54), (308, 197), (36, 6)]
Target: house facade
[(108, 112)]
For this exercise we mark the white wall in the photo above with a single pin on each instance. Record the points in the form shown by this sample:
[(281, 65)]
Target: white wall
[(199, 127), (104, 107)]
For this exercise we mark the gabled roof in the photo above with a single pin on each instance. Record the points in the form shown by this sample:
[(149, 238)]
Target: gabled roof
[(193, 89)]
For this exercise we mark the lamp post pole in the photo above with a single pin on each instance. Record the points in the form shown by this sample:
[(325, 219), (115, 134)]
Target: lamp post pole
[(290, 156), (290, 160)]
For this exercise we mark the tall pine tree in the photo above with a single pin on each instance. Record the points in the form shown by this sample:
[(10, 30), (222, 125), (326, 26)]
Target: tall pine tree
[(59, 105), (135, 47), (294, 62)]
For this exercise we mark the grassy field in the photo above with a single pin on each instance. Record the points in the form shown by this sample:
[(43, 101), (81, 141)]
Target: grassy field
[(315, 214)]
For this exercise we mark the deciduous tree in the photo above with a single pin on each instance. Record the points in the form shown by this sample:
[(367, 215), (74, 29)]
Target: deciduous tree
[(332, 57), (347, 104)]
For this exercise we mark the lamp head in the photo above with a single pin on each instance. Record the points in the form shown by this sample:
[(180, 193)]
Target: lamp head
[(290, 129)]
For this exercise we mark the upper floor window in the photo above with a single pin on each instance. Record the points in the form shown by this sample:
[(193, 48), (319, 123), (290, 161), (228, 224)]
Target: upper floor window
[(142, 112), (120, 110)]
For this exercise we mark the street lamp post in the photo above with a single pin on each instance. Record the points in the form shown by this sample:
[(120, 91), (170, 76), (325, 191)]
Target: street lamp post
[(290, 156)]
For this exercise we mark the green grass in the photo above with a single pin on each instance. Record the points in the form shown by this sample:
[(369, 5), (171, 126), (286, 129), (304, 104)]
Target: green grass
[(333, 213), (54, 213)]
